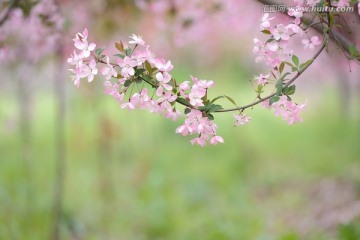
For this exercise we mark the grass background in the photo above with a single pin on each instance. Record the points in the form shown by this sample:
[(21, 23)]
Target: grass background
[(129, 176)]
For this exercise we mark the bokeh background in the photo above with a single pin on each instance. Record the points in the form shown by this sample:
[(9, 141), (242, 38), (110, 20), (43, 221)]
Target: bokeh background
[(73, 165)]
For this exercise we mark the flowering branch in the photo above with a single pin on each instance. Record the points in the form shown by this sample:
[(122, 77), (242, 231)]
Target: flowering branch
[(137, 68), (274, 94)]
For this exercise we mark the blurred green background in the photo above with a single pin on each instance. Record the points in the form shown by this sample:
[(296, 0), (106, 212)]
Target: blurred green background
[(129, 176)]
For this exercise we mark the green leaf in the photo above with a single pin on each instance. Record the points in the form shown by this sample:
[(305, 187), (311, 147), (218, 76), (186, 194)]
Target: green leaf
[(289, 64), (99, 51), (120, 55), (210, 117), (284, 76), (148, 67), (279, 87), (139, 71), (266, 31), (183, 101), (147, 78), (352, 50), (281, 67), (230, 100), (127, 83), (289, 90), (306, 64), (274, 99), (295, 60), (214, 108), (187, 110), (128, 52)]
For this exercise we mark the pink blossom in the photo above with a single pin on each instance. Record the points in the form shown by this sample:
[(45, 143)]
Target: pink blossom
[(137, 40), (261, 80), (74, 59), (162, 65), (265, 21), (241, 119), (168, 96), (81, 70), (92, 70), (110, 88), (342, 3), (216, 139), (314, 41), (312, 2), (108, 71), (288, 110), (173, 114), (199, 141), (280, 32), (81, 43), (127, 64)]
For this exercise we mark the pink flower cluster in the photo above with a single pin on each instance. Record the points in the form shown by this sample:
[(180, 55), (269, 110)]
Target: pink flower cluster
[(276, 48), (136, 66), (84, 65), (28, 37), (287, 109), (197, 123)]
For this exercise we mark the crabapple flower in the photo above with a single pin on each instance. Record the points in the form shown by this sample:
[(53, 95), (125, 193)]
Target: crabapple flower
[(81, 43), (197, 123), (216, 139), (241, 119), (92, 70), (108, 71), (280, 32), (136, 40), (198, 91), (74, 59), (312, 2), (342, 3), (261, 80), (288, 110), (127, 64), (81, 70), (265, 21), (162, 65), (311, 43), (359, 8)]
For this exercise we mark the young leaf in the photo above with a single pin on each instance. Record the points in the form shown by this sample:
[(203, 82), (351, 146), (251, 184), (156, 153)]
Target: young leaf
[(210, 117), (306, 64), (274, 99), (281, 67), (128, 52), (99, 51), (295, 60), (289, 90), (214, 108), (119, 46), (279, 87), (148, 67), (127, 83), (120, 55), (183, 101)]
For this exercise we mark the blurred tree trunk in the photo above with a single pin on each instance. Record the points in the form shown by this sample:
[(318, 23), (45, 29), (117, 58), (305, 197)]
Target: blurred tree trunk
[(60, 148), (25, 116)]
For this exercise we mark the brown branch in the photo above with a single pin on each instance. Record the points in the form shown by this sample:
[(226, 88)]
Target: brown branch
[(271, 95), (337, 37), (6, 15)]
